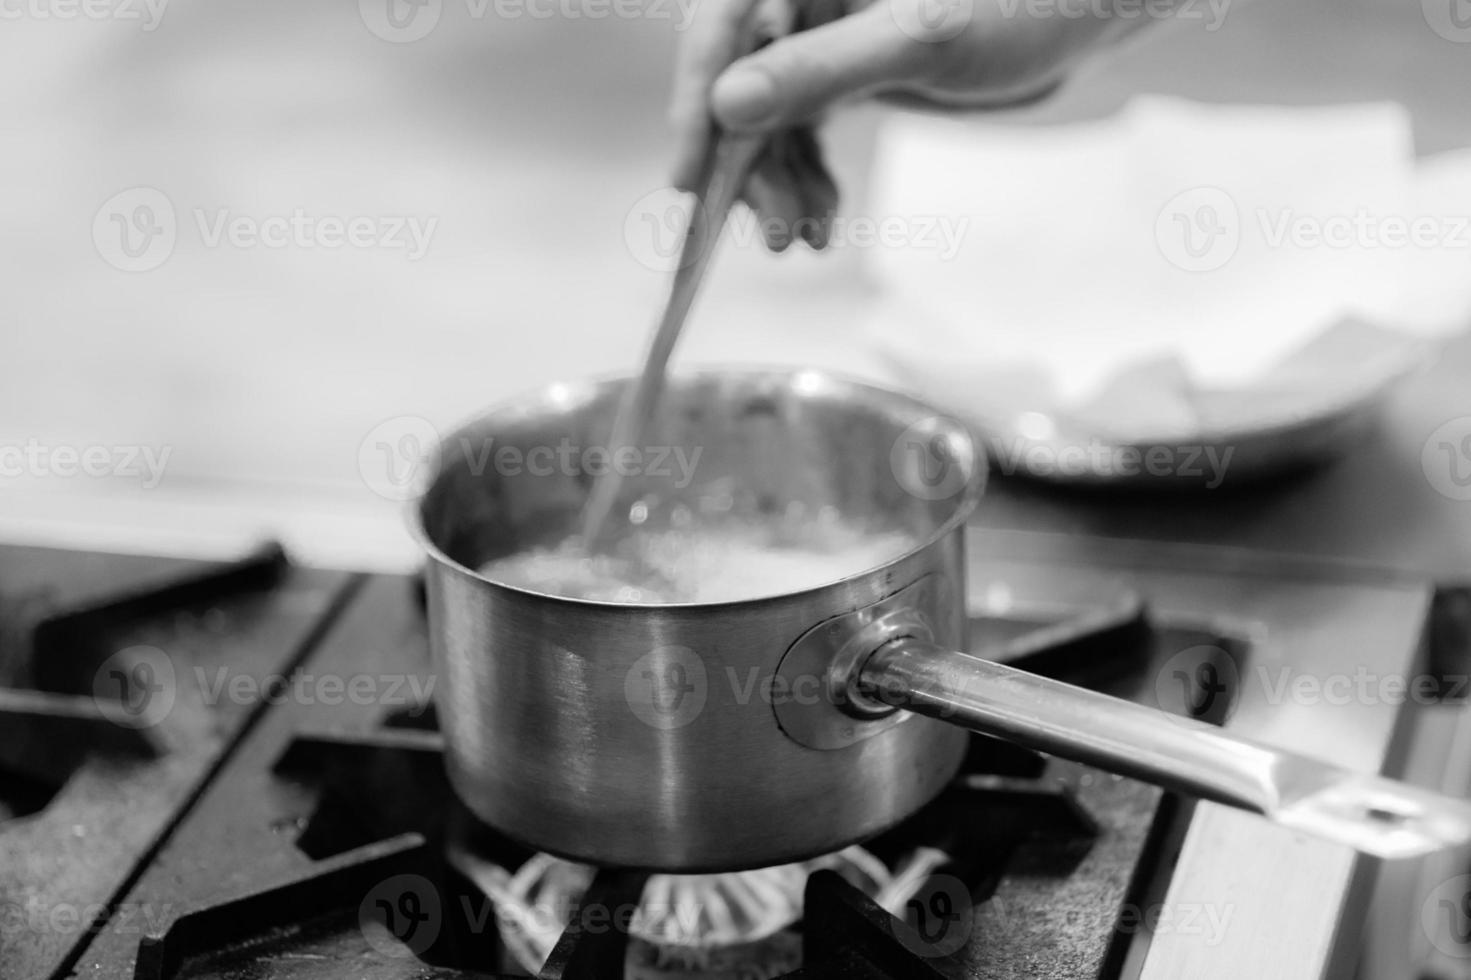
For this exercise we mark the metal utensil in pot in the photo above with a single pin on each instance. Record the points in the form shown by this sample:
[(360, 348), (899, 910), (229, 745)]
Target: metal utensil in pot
[(717, 736)]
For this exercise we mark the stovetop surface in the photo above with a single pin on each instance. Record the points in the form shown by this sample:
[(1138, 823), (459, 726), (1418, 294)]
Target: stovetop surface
[(233, 772)]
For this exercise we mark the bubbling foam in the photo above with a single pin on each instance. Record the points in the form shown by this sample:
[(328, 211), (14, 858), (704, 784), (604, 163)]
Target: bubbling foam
[(726, 561)]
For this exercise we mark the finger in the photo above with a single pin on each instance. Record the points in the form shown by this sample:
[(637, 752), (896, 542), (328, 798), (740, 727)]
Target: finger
[(792, 79), (772, 191), (923, 98), (711, 43), (773, 19), (815, 183)]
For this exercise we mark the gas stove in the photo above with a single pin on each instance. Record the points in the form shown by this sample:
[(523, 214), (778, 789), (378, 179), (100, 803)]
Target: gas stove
[(233, 771)]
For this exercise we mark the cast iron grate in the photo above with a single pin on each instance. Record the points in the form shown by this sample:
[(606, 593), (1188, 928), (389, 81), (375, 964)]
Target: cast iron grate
[(379, 892), (379, 867), (87, 787)]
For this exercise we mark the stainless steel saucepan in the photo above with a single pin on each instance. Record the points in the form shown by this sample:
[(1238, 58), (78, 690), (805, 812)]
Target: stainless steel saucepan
[(716, 736)]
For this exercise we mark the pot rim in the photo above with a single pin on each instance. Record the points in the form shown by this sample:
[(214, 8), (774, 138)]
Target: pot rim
[(572, 392)]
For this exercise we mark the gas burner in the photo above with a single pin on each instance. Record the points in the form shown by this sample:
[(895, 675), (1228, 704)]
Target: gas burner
[(935, 868), (333, 833), (741, 924), (309, 838)]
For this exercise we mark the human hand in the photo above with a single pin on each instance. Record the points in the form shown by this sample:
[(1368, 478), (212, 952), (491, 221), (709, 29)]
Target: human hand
[(960, 53)]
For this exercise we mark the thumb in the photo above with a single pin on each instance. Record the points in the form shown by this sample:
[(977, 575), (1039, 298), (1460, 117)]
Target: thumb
[(797, 76)]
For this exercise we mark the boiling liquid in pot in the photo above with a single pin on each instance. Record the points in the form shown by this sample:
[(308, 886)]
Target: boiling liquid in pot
[(710, 561)]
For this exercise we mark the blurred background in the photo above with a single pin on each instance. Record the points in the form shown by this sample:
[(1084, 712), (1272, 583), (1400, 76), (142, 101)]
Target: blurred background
[(491, 164)]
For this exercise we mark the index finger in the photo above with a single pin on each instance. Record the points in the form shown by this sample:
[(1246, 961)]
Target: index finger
[(715, 38)]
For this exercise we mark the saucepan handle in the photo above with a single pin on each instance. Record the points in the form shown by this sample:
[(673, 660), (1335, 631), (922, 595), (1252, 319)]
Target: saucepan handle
[(1370, 813)]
